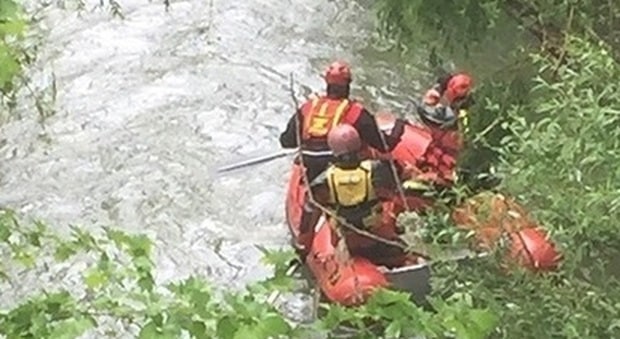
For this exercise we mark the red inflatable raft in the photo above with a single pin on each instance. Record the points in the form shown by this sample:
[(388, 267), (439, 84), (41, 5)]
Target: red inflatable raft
[(491, 216), (350, 280)]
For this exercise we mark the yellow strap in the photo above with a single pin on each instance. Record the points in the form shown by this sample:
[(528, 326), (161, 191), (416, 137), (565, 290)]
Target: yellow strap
[(330, 184), (323, 109), (315, 101), (339, 112), (464, 119), (370, 190)]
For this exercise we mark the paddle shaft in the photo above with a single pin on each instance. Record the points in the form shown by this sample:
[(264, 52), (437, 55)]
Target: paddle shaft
[(256, 161)]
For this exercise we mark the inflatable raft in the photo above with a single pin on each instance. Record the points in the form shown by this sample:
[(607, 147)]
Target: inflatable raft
[(350, 279), (492, 216)]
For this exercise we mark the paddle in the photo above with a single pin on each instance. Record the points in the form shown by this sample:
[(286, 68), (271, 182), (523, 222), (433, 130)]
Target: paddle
[(256, 160)]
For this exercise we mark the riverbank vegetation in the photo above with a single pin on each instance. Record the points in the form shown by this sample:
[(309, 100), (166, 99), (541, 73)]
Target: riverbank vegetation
[(547, 122), (550, 111), (12, 58)]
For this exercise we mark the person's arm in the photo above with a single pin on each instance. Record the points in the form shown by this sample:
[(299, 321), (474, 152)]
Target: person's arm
[(442, 83), (288, 138), (383, 175), (384, 181), (467, 102), (369, 133), (320, 188)]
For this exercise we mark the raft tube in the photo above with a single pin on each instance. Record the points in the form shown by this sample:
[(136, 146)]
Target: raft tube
[(530, 245)]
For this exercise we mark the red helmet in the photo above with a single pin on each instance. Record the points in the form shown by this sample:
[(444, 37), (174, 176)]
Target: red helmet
[(338, 73), (344, 139), (458, 87)]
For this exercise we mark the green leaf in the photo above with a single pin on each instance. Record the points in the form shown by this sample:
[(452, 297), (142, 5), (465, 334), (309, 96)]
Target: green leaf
[(82, 238), (274, 325), (152, 331), (143, 264), (34, 238), (3, 276), (226, 327), (485, 320), (95, 278), (146, 282), (393, 330), (149, 331), (5, 231), (64, 251), (72, 328), (56, 302), (139, 246), (10, 65), (25, 258), (279, 258), (198, 330), (246, 331), (384, 296), (15, 27), (9, 9)]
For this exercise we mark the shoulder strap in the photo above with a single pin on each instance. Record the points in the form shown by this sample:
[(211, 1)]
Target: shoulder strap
[(353, 113), (367, 166), (329, 176)]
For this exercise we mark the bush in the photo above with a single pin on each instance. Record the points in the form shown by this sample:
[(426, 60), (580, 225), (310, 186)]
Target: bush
[(12, 29), (117, 294), (555, 142), (563, 150)]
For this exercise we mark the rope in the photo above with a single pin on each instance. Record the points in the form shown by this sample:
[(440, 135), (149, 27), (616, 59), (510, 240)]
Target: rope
[(397, 180), (327, 211)]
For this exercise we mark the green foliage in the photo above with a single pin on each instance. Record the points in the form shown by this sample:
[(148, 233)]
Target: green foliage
[(553, 138), (424, 21), (567, 146), (492, 39), (399, 317), (456, 26), (536, 306), (12, 29), (118, 284)]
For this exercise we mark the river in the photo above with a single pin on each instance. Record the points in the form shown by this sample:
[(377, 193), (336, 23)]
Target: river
[(147, 106)]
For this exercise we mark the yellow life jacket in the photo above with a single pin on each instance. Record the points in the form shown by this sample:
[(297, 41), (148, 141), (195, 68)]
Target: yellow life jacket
[(353, 195)]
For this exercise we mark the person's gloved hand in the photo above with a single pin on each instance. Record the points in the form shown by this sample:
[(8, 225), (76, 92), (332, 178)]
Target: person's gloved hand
[(399, 128), (431, 97), (410, 171)]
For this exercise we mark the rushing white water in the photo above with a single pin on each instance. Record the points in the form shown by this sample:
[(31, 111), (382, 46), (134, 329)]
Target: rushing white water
[(147, 105)]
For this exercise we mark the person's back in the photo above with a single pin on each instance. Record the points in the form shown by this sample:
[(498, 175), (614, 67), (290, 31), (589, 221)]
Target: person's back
[(442, 152), (355, 190), (319, 115), (444, 122), (352, 189)]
